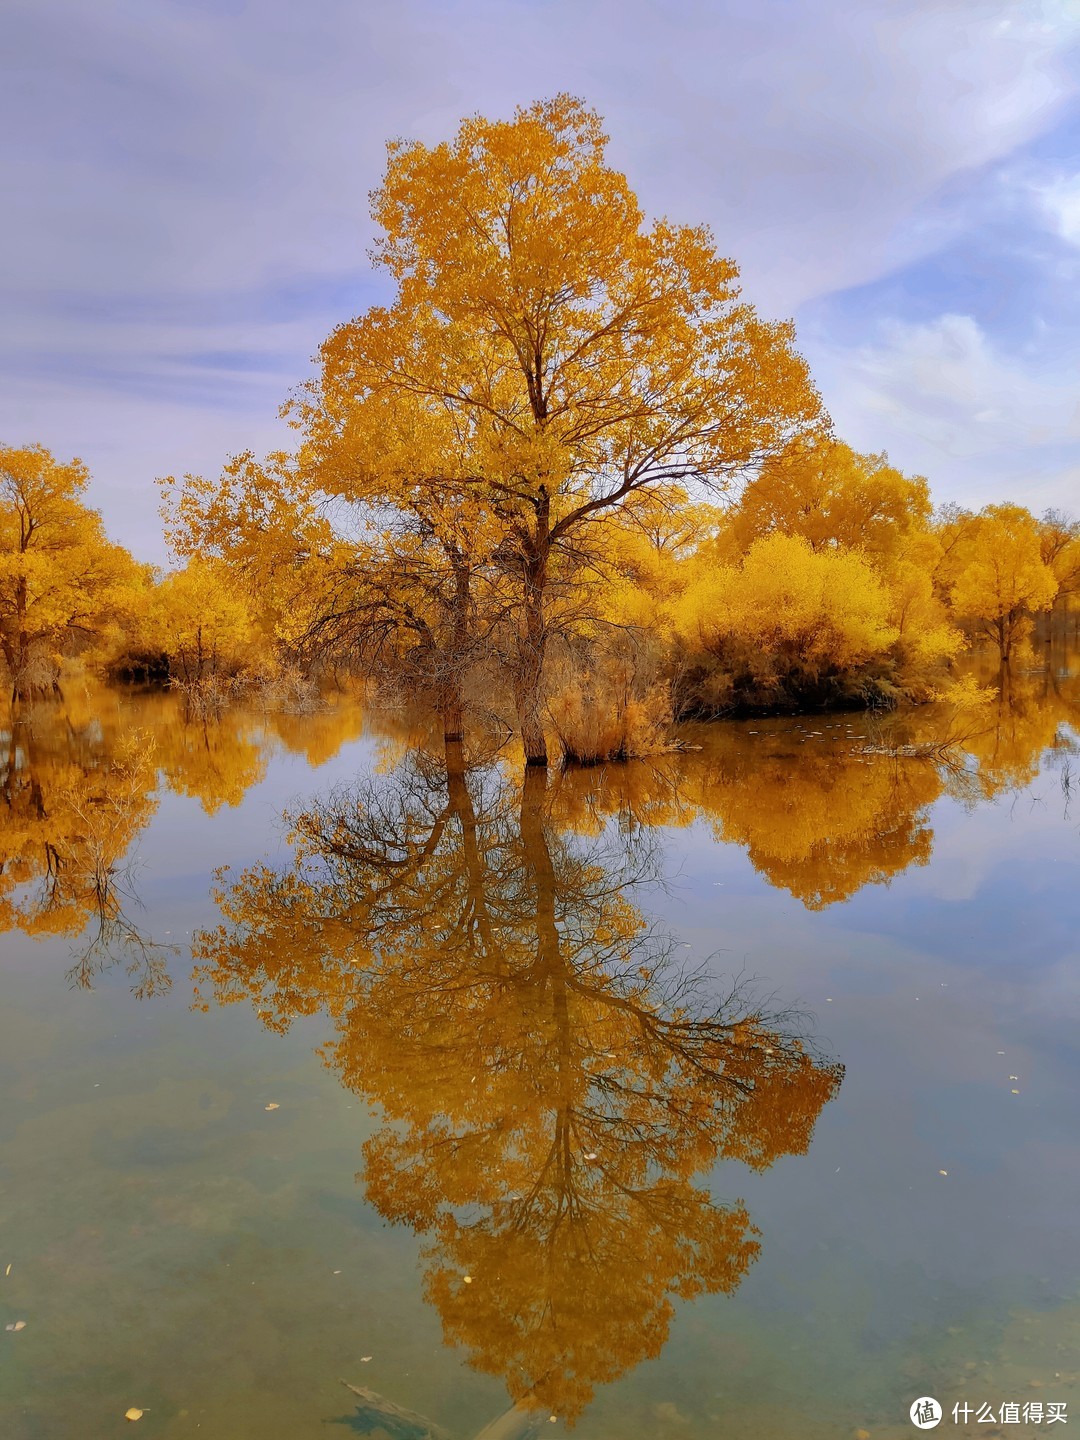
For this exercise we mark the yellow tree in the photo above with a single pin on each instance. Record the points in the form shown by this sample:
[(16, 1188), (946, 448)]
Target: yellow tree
[(198, 618), (1002, 578), (546, 360), (62, 582), (824, 491), (836, 500), (339, 578), (788, 624), (1059, 543), (609, 694)]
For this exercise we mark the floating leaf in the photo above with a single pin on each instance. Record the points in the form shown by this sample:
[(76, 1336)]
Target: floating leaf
[(18, 1325), (133, 1414)]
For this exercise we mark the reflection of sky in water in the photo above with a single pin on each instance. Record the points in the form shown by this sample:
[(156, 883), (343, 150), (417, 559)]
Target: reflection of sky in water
[(173, 1245)]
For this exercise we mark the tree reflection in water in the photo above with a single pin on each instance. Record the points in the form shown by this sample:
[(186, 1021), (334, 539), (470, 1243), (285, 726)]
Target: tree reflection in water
[(824, 806), (72, 805), (555, 1084), (80, 777)]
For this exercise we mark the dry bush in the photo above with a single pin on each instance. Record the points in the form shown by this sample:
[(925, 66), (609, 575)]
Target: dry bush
[(608, 700)]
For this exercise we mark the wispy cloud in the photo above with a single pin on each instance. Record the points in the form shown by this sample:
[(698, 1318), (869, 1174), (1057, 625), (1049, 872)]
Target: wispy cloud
[(943, 400)]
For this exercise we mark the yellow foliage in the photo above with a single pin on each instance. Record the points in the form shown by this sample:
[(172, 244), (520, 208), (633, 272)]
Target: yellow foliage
[(74, 794), (546, 358), (609, 697), (822, 490), (78, 783), (821, 812), (1001, 578), (1013, 731), (788, 618), (926, 638), (1066, 567), (596, 718), (1059, 545), (201, 621), (63, 584)]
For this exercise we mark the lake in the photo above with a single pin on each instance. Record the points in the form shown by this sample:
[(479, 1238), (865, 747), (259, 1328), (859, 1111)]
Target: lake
[(732, 1092)]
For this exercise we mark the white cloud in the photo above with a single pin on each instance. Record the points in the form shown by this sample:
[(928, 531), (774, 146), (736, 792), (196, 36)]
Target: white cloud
[(190, 146), (1060, 201), (982, 425), (129, 439), (945, 379)]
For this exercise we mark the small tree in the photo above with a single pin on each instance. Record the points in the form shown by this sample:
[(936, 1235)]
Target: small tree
[(1059, 542), (789, 623), (337, 578), (831, 496), (1002, 577), (197, 619)]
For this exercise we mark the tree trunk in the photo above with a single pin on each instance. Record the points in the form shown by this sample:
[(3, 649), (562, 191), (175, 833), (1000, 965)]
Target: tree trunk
[(538, 859), (529, 673), (527, 695), (453, 663), (452, 709)]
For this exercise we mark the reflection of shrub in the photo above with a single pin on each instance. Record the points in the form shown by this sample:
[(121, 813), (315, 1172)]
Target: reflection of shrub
[(608, 701), (279, 689)]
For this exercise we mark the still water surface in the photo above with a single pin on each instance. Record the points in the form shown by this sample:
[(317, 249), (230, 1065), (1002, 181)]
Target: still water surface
[(732, 1093)]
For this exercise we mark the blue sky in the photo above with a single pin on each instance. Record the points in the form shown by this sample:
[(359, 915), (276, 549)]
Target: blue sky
[(187, 205)]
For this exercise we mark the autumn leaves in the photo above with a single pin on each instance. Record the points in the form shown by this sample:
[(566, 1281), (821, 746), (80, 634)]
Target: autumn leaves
[(64, 587), (566, 479), (549, 368)]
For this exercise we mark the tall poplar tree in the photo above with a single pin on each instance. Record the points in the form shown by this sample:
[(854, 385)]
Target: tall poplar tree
[(547, 360)]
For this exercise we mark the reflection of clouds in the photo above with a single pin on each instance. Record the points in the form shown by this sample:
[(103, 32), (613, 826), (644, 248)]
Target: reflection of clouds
[(1053, 990), (81, 780), (970, 850), (827, 813)]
